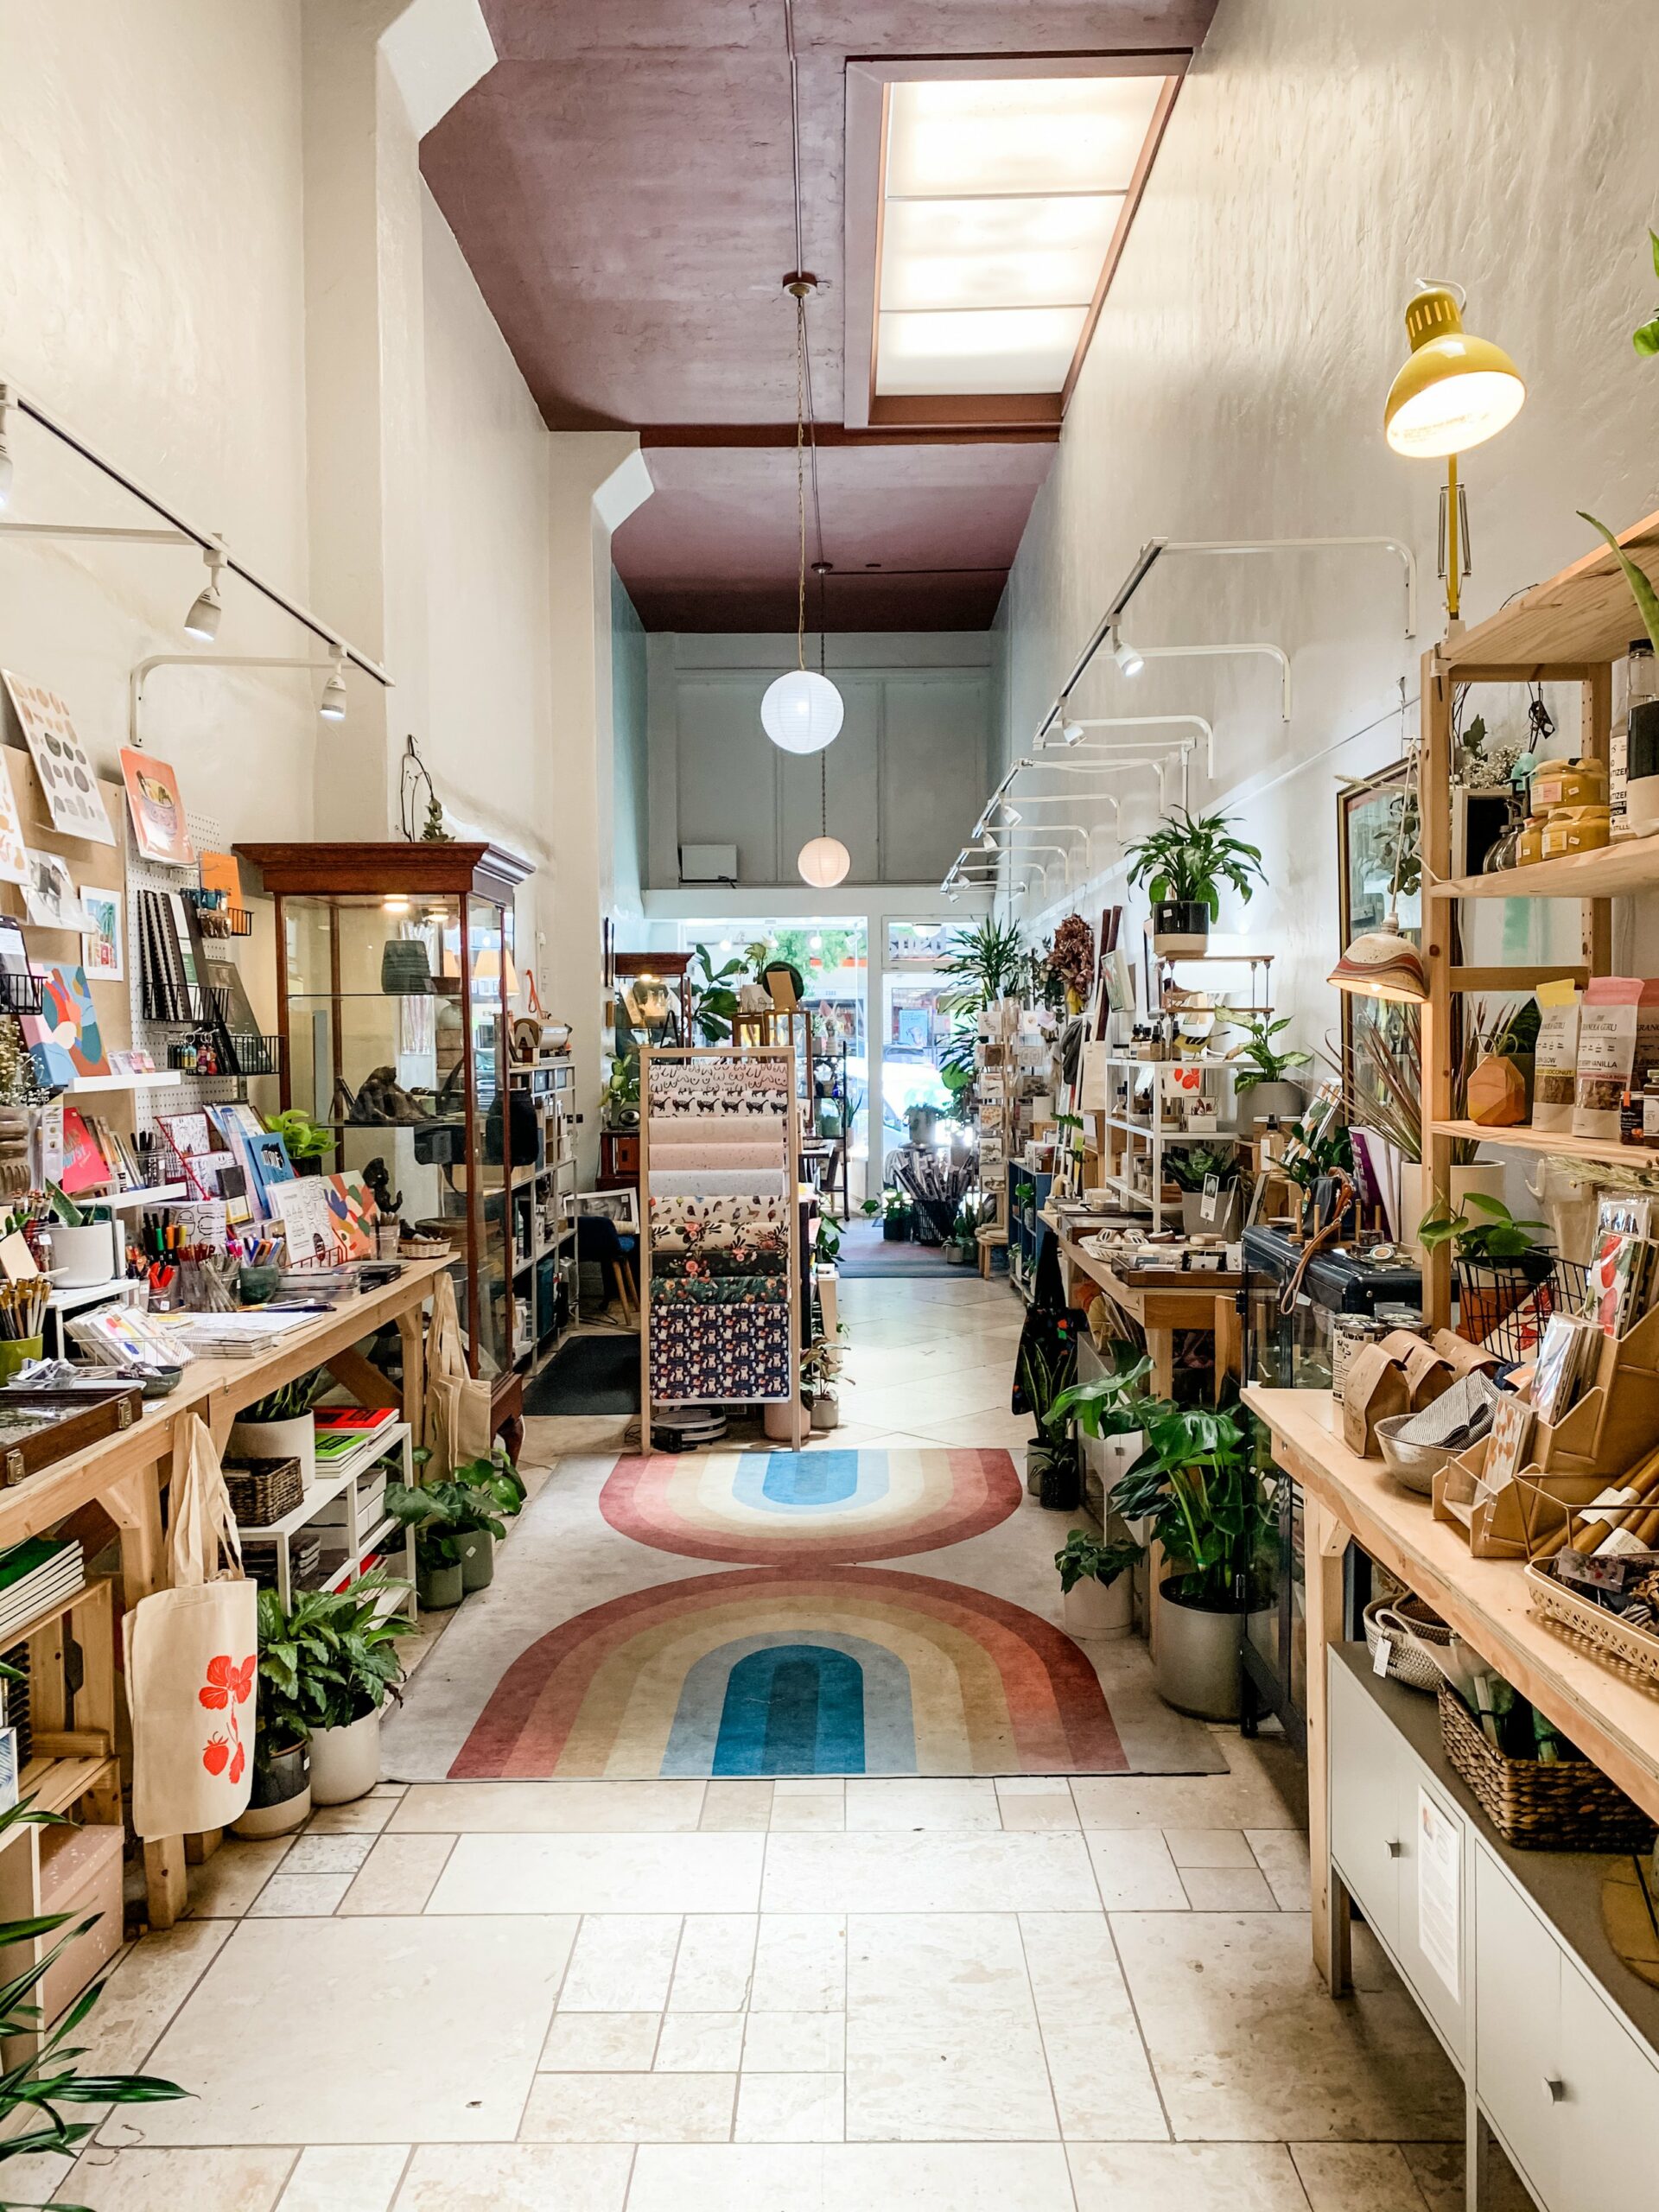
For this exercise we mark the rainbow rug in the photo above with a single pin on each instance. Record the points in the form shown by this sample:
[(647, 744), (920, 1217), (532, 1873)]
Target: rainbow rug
[(796, 1670), (827, 1507)]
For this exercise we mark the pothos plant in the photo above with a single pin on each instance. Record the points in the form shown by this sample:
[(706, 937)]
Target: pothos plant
[(1259, 1060), (1084, 1557), (1499, 1239)]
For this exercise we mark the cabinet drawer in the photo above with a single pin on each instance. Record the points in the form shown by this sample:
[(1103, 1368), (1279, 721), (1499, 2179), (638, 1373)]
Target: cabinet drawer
[(1368, 1765), (1609, 2099), (1518, 2031)]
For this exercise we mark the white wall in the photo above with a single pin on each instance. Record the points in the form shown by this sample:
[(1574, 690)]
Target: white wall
[(1322, 157), (632, 767), (903, 776)]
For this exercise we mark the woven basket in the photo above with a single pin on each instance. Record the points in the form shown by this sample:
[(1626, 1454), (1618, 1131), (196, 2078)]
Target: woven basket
[(261, 1490), (1570, 1806), (1636, 1649), (422, 1248), (1405, 1627)]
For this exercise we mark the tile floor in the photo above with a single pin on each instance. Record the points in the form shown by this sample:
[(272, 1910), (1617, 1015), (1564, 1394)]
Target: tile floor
[(1028, 1995)]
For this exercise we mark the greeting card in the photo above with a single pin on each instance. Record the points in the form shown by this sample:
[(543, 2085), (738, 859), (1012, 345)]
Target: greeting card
[(158, 810), (68, 777), (63, 1038)]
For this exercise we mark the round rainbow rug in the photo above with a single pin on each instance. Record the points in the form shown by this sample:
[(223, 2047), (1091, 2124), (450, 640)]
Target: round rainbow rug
[(766, 1671), (828, 1508)]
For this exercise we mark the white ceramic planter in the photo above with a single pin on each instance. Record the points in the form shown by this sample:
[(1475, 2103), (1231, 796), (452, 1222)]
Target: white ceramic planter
[(1283, 1100), (1092, 1607), (278, 1439), (345, 1762), (1484, 1176), (260, 1822), (82, 1257)]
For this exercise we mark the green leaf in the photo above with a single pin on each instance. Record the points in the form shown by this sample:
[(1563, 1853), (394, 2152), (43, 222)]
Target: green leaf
[(1653, 239), (1641, 591), (1646, 338)]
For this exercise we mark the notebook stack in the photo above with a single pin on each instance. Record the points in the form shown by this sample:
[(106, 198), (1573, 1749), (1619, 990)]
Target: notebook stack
[(341, 1429), (34, 1576)]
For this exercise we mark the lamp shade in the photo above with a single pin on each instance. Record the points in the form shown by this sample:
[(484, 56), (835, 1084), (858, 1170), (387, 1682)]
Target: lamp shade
[(801, 711), (1455, 391), (824, 862), (1382, 964)]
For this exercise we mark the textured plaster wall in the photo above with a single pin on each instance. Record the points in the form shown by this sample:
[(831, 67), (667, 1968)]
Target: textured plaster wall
[(628, 713), (1324, 155)]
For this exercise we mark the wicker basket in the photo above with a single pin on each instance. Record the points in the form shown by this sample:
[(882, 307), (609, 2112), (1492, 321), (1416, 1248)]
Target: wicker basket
[(1405, 1626), (1570, 1806), (1635, 1648), (422, 1248), (261, 1490)]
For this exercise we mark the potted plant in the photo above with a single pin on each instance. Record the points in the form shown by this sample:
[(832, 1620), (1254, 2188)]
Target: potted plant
[(1264, 1071), (305, 1140), (1096, 1598), (898, 1217), (713, 997), (1046, 1367), (499, 1491), (83, 1242), (279, 1426), (1500, 1263), (1184, 864), (1189, 1168), (1195, 1489), (1111, 1409), (447, 1518), (335, 1652), (281, 1797), (962, 1244)]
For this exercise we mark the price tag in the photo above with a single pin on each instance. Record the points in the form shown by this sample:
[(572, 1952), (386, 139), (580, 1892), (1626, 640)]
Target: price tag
[(1381, 1656), (1209, 1204)]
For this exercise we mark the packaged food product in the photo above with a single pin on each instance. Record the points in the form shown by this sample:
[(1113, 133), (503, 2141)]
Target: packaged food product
[(1576, 829), (1618, 1040), (1529, 846), (1568, 783), (1555, 1060)]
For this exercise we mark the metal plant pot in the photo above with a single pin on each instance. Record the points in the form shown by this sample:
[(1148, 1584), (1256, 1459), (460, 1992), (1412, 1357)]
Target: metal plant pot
[(1196, 1664), (1180, 925), (281, 1796)]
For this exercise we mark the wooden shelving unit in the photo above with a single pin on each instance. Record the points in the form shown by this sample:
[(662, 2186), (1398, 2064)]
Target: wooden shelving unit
[(1569, 630)]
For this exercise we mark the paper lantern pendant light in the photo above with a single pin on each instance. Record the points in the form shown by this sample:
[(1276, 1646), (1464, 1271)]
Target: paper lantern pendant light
[(801, 711), (824, 862)]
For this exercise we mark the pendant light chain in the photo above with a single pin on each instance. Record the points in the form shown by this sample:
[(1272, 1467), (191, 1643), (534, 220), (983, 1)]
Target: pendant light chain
[(800, 476)]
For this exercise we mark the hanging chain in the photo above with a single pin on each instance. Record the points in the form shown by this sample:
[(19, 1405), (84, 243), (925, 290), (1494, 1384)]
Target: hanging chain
[(800, 474)]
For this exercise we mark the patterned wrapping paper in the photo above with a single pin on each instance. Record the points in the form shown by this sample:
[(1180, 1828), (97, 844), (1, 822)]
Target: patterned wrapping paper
[(711, 1262), (701, 1225), (720, 1086), (719, 1352), (689, 1159), (718, 1128), (717, 1183), (719, 1290)]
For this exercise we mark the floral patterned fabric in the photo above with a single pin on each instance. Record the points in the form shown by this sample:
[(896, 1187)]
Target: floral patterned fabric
[(715, 1261), (719, 1290), (700, 1353), (707, 1225)]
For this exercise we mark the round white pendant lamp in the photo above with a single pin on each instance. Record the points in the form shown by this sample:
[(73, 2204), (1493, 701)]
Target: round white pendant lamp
[(824, 862), (801, 711)]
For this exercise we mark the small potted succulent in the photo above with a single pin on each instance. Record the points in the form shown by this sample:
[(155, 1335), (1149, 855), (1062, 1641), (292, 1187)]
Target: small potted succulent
[(1263, 1081), (1184, 864), (1095, 1593)]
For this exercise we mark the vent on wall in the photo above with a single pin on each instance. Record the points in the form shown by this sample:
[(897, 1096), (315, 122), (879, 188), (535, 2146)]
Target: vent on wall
[(707, 863)]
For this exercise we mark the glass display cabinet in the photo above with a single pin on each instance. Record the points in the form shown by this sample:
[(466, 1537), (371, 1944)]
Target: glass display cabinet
[(394, 980)]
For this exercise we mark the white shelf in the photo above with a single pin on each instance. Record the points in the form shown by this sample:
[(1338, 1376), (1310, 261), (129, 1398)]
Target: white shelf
[(330, 1486), (1130, 1060), (160, 1194), (161, 1079), (69, 1300), (1171, 1133)]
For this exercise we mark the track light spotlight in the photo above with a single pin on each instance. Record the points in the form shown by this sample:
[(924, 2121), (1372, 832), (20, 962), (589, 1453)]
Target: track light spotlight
[(333, 706), (1011, 815), (1128, 661), (5, 449), (987, 842), (202, 620), (1071, 734)]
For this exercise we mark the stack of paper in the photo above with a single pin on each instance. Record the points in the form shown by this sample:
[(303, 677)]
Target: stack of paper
[(34, 1576)]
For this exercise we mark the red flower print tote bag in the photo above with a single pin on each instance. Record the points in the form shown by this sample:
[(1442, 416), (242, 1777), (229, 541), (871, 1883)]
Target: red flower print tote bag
[(192, 1656)]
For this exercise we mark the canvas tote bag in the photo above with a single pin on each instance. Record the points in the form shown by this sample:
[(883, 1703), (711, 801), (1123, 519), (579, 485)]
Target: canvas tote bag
[(192, 1655), (457, 1407)]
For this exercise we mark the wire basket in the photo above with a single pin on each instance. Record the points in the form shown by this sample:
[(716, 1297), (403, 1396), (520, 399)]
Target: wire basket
[(1505, 1304)]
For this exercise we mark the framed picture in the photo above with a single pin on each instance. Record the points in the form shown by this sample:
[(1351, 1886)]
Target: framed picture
[(100, 945), (1372, 817), (620, 1206)]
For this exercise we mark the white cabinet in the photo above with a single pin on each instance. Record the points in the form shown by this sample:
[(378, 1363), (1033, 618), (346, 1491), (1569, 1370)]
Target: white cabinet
[(1518, 2032), (1366, 1760), (1609, 2109)]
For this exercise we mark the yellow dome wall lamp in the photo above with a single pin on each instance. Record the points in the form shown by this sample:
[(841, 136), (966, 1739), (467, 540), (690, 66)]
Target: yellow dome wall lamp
[(1453, 391)]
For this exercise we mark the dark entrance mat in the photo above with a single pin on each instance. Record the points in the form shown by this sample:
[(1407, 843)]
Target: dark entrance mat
[(590, 1375)]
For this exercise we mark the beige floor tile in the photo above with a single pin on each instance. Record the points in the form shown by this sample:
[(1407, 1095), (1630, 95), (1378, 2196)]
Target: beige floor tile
[(1209, 1848), (1197, 2176), (942, 2037), (548, 1807), (327, 1854), (1247, 1797), (165, 2181), (1228, 1889), (1281, 1854), (269, 2063), (623, 1962), (800, 1963), (700, 2043), (940, 1873), (809, 1785), (629, 2108), (398, 1874), (1104, 2088), (368, 1816), (1004, 1430), (153, 1981), (972, 1390), (795, 2042), (1357, 2177), (602, 1874), (800, 1815), (1437, 2168), (741, 1804), (852, 2178), (515, 2177), (1029, 1806), (600, 2043), (1248, 2046), (789, 2108), (922, 1804), (716, 1958), (299, 1897), (355, 2178), (1135, 1871), (224, 1886), (39, 2179), (389, 1789)]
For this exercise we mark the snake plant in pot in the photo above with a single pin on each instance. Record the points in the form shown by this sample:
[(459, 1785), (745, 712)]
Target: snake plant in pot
[(1195, 1490), (1183, 864), (1046, 1365)]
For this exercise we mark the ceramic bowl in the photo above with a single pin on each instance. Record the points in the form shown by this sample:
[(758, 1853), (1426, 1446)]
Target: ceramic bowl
[(1412, 1465)]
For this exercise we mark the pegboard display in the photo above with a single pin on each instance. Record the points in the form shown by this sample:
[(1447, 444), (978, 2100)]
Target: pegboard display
[(188, 1092)]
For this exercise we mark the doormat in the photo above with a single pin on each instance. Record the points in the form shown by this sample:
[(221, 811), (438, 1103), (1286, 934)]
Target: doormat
[(865, 1251), (590, 1375)]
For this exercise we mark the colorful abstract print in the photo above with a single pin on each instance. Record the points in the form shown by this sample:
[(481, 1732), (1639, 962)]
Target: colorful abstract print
[(824, 1508), (805, 1670)]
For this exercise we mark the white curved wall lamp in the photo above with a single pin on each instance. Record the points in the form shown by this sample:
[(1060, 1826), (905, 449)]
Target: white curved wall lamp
[(1212, 653), (332, 708), (1082, 723), (1109, 762), (1307, 545)]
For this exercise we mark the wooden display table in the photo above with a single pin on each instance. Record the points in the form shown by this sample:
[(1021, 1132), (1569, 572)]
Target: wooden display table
[(1610, 1717), (125, 1475), (1169, 1302)]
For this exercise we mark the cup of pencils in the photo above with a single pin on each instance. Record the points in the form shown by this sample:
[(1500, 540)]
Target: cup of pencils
[(22, 1317)]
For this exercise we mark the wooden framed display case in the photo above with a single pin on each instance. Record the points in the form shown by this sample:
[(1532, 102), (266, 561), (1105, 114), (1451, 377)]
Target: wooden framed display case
[(394, 979)]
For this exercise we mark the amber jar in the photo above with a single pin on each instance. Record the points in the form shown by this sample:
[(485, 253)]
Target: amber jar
[(1568, 783), (1577, 830), (1529, 846)]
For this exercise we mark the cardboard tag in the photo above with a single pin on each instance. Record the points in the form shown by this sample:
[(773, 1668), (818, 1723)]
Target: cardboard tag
[(1209, 1204)]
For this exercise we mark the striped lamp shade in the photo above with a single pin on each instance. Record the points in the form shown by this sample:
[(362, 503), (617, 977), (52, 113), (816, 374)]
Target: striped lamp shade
[(1382, 964)]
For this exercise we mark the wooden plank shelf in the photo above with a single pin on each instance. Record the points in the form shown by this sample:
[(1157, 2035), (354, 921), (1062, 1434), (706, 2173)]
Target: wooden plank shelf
[(1558, 628), (1562, 1142), (1615, 871)]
